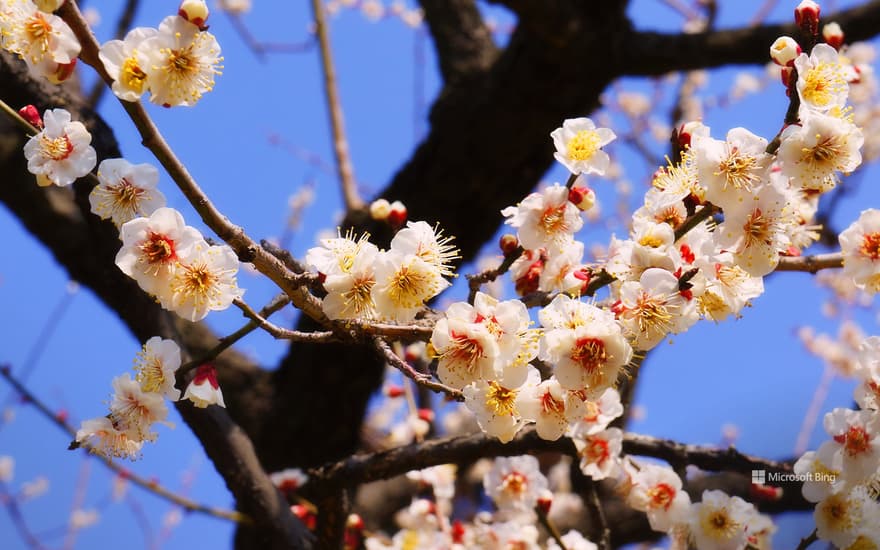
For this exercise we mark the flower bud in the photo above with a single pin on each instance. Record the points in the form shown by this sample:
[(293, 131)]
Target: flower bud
[(397, 215), (392, 391), (806, 16), (32, 115), (380, 209), (426, 414), (508, 243), (308, 518), (784, 51), (683, 135), (204, 389), (583, 197), (833, 35), (785, 77), (545, 501), (194, 11)]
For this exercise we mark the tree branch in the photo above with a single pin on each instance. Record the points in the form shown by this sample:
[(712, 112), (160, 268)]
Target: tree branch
[(652, 54), (464, 45)]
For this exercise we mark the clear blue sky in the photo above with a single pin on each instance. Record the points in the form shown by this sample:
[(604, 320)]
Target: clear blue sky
[(751, 373)]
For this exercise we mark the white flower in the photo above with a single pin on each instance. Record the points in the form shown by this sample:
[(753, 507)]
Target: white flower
[(102, 437), (842, 517), (578, 146), (204, 389), (657, 491), (588, 356), (756, 230), (551, 407), (600, 452), (152, 248), (428, 244), (653, 307), (719, 521), (546, 219), (204, 281), (36, 36), (60, 153), (515, 483), (599, 413), (508, 322), (730, 170), (860, 247), (496, 407), (821, 478), (125, 191), (135, 411), (822, 82), (811, 154), (183, 61), (127, 63), (855, 438), (404, 282), (155, 366), (349, 293), (466, 349)]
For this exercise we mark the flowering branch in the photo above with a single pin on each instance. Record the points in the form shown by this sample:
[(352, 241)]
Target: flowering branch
[(477, 280), (597, 518), (283, 333), (246, 249), (149, 485), (340, 142), (807, 541), (360, 469)]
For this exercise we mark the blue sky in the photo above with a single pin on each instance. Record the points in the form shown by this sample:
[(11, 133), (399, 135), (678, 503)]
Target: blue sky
[(751, 373)]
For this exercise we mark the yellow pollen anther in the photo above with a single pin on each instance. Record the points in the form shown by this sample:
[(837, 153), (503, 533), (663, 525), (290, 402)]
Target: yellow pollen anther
[(583, 145)]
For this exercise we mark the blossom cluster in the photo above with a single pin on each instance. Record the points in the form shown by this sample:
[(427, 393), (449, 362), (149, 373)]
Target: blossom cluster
[(139, 403), (43, 40), (842, 476), (363, 282)]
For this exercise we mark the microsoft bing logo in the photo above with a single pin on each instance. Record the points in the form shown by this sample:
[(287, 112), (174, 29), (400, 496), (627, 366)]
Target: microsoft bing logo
[(759, 477)]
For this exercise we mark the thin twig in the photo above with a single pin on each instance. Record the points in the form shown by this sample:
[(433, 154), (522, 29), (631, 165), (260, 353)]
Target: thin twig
[(149, 485), (808, 540), (478, 279), (696, 219), (260, 49), (417, 377), (277, 303), (9, 501), (599, 524), (340, 142), (283, 333), (550, 527)]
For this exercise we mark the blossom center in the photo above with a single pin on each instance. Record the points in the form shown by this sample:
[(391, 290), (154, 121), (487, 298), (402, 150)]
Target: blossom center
[(132, 76), (463, 349), (583, 145), (740, 171), (871, 245), (661, 496), (596, 450), (56, 148), (590, 353), (550, 404), (719, 525), (515, 483), (822, 83), (757, 229), (500, 399), (553, 219), (158, 249)]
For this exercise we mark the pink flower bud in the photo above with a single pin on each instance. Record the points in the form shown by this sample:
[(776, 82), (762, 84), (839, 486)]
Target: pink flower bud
[(785, 76), (582, 197), (784, 51), (30, 114), (833, 35), (508, 243), (545, 501), (426, 414), (194, 11), (806, 16), (393, 391), (397, 216)]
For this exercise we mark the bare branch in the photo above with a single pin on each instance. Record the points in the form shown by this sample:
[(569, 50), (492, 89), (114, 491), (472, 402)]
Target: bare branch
[(352, 200), (423, 380), (811, 264)]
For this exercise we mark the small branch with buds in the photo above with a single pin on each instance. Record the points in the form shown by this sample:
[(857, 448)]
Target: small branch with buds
[(599, 524), (477, 280), (149, 485)]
